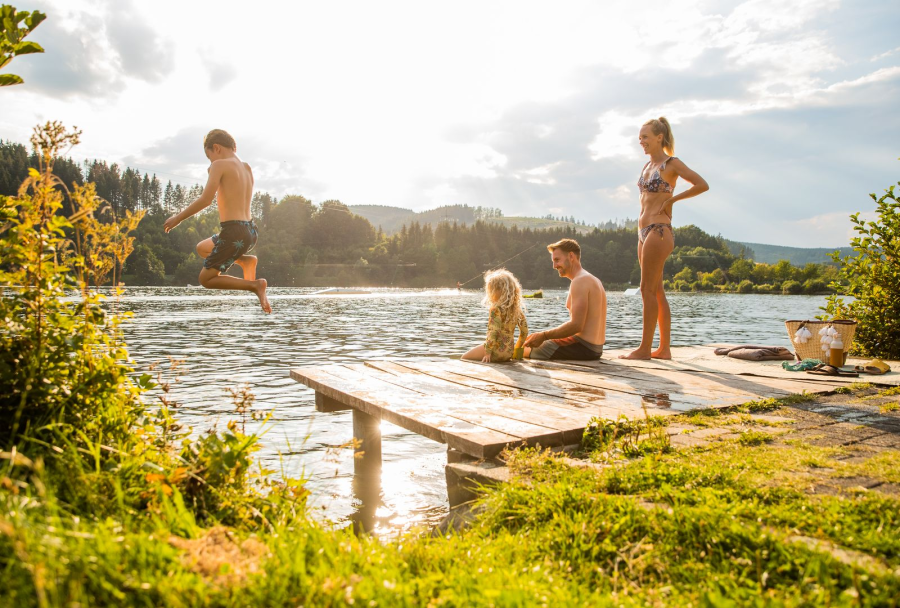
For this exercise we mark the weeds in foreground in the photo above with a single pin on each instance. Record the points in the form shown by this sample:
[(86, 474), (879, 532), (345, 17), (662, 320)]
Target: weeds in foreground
[(752, 437), (854, 387), (607, 440)]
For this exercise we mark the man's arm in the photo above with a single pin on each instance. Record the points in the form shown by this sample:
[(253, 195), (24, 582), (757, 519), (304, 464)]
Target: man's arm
[(203, 201), (577, 314)]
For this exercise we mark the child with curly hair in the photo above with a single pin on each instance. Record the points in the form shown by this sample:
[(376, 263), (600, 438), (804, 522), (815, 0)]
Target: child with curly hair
[(503, 298)]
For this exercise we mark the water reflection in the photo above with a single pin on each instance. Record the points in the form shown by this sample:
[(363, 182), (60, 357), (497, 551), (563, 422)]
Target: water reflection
[(226, 341)]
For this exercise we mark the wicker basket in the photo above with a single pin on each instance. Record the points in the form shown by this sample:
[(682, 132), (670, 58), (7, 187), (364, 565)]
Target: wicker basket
[(813, 348)]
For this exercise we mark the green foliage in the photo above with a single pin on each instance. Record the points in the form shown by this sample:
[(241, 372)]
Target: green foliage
[(871, 276), (14, 27), (754, 438), (745, 286), (791, 287), (607, 439)]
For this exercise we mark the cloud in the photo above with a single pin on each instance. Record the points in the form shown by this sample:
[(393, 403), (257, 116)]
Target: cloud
[(94, 53), (277, 168), (220, 71), (75, 61), (142, 54)]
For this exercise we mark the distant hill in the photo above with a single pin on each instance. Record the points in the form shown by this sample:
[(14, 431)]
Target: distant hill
[(391, 219), (539, 223), (798, 256)]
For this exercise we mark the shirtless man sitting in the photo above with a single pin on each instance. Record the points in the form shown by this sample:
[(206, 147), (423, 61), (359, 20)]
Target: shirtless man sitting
[(583, 335), (231, 183)]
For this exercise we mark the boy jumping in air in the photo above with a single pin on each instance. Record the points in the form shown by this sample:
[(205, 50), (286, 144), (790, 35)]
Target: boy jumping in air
[(231, 183)]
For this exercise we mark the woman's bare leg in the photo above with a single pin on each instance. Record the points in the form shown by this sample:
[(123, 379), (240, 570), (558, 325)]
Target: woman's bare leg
[(664, 319), (476, 354), (213, 279), (653, 254)]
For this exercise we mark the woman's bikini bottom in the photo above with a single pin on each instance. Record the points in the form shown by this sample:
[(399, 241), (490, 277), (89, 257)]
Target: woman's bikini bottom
[(659, 228)]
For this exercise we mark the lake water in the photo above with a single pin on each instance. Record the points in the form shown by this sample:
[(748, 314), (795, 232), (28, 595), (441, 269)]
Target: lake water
[(226, 342)]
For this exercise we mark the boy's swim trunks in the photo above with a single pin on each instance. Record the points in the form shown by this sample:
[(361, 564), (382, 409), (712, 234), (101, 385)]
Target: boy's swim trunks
[(573, 348), (236, 238)]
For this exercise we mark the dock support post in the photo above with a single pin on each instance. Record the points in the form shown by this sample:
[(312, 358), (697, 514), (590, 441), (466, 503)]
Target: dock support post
[(367, 452)]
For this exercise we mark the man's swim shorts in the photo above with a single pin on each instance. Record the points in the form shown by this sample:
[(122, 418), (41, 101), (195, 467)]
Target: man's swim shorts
[(236, 238), (573, 348)]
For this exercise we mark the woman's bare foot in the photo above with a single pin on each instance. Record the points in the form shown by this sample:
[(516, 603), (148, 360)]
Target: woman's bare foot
[(661, 353), (248, 265), (260, 292), (637, 354)]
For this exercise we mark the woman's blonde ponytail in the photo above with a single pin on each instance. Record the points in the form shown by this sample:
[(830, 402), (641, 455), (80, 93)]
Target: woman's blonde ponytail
[(662, 127)]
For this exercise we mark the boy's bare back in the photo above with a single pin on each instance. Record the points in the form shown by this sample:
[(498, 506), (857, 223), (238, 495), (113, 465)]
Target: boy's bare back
[(235, 188)]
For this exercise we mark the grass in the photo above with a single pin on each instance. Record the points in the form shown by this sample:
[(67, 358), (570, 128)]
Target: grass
[(853, 387), (754, 438), (702, 527)]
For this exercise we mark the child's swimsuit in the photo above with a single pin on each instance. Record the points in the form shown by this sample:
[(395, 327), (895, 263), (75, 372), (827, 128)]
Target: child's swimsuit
[(655, 184), (501, 330), (573, 348), (236, 238)]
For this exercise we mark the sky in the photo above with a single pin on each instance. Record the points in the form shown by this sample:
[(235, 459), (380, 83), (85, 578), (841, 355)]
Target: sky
[(789, 110)]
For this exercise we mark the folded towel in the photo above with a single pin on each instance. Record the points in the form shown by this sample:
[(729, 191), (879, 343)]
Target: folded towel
[(750, 352), (802, 366)]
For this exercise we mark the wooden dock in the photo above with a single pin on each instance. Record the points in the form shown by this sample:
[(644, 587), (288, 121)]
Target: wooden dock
[(479, 409)]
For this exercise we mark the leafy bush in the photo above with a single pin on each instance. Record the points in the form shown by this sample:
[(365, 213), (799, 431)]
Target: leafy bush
[(746, 286), (685, 274), (791, 287), (814, 286), (871, 275)]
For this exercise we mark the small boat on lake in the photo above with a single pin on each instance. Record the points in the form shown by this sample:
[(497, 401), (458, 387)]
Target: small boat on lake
[(538, 294), (342, 291)]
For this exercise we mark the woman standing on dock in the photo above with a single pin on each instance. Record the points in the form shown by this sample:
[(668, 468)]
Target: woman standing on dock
[(655, 237)]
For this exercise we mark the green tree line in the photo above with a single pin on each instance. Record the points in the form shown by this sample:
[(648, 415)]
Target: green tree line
[(305, 244)]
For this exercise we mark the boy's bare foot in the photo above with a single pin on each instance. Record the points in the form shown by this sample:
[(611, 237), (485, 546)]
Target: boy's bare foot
[(637, 354), (661, 353), (260, 292), (248, 265)]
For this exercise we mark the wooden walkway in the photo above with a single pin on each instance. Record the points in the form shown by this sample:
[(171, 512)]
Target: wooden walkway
[(480, 408)]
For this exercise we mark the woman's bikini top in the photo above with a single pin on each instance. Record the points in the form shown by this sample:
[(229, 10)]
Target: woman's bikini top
[(656, 183)]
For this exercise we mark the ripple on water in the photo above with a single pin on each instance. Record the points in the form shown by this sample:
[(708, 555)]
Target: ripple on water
[(226, 341)]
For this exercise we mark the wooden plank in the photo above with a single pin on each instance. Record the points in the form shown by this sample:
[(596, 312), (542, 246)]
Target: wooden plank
[(666, 395), (550, 410), (724, 380), (478, 433), (367, 451), (627, 399), (456, 433), (327, 404), (702, 359), (519, 417), (555, 394), (695, 384)]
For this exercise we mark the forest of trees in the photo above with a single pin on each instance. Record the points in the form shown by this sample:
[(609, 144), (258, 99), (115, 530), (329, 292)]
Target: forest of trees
[(304, 244)]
